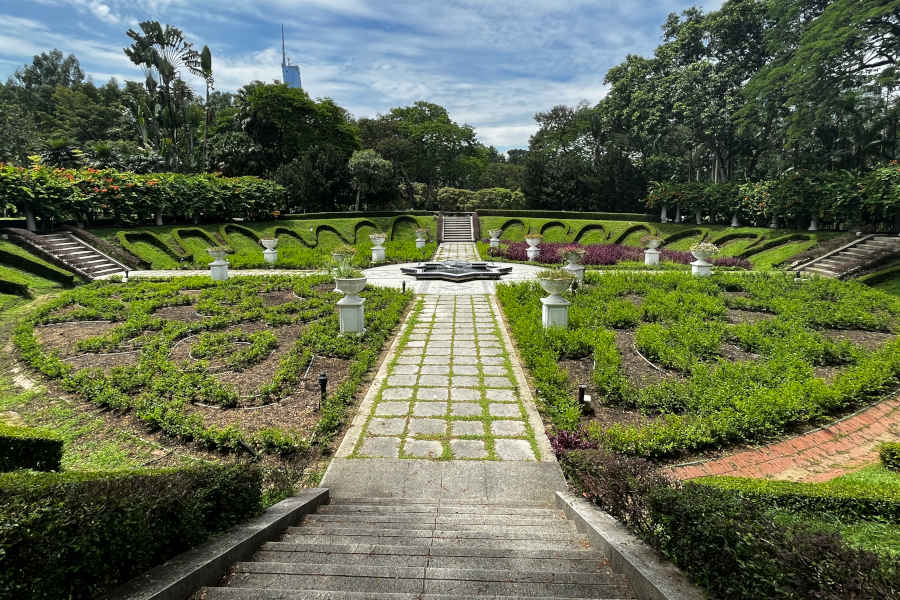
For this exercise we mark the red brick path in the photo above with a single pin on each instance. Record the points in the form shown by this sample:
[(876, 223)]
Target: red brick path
[(816, 456)]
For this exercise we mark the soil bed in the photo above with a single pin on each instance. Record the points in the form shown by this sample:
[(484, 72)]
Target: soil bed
[(63, 337), (868, 340), (104, 361), (737, 316), (185, 314), (278, 297)]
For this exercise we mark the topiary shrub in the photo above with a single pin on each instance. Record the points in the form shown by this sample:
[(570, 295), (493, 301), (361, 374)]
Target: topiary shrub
[(889, 453), (29, 448), (75, 535)]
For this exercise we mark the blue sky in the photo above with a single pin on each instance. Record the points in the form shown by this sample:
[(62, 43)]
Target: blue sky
[(492, 63)]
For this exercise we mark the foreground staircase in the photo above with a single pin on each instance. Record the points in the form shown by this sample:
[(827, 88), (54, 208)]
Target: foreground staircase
[(394, 549), (457, 229), (78, 255), (853, 257)]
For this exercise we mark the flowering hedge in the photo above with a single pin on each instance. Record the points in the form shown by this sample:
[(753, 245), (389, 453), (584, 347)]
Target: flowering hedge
[(85, 195), (604, 254), (836, 197)]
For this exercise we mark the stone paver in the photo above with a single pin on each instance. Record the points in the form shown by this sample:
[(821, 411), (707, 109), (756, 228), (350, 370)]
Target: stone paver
[(451, 384), (813, 457)]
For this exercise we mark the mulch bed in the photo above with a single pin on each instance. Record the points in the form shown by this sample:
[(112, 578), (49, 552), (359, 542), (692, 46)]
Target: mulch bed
[(736, 316), (869, 340), (185, 314), (181, 352), (104, 361), (62, 337), (278, 297)]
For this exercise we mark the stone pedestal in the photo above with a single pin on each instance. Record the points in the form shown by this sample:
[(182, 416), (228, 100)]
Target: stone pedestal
[(494, 242), (271, 256), (555, 312), (664, 214), (651, 257), (533, 252), (352, 314), (698, 217), (218, 269), (576, 270), (813, 224), (734, 221), (378, 254), (420, 243), (773, 224), (701, 268)]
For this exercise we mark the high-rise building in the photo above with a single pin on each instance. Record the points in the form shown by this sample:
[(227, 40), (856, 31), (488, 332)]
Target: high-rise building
[(290, 74)]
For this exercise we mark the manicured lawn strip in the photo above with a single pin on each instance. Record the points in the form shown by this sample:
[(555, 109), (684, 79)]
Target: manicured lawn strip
[(158, 391), (719, 403)]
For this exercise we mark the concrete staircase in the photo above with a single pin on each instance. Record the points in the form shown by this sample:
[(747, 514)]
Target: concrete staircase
[(855, 256), (395, 549), (78, 255), (457, 229)]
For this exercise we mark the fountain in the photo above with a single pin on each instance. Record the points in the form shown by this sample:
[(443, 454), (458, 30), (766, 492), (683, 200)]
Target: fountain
[(456, 270)]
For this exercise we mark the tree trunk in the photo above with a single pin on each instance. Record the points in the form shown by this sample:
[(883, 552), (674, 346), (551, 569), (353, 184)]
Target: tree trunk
[(357, 199), (206, 130), (29, 220), (159, 219)]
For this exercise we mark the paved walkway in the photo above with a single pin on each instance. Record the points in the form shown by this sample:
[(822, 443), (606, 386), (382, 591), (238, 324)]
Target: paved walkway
[(820, 455), (456, 251)]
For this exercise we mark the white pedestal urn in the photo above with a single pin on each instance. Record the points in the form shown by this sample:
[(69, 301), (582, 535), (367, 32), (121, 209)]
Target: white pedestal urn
[(495, 237), (218, 268), (533, 252), (703, 252), (698, 217), (555, 312), (378, 249), (573, 257), (651, 253), (734, 221), (773, 224), (664, 214), (421, 237), (351, 308), (270, 254), (813, 224)]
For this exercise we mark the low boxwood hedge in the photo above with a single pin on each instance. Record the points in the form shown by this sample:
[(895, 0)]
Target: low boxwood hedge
[(889, 453), (75, 535), (861, 503), (29, 448), (562, 214)]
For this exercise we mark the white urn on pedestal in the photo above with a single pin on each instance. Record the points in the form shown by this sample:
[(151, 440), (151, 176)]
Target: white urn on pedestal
[(573, 256), (698, 217), (703, 252), (533, 252), (378, 248), (218, 268), (651, 253), (813, 224), (773, 223), (734, 220), (495, 237), (270, 254), (351, 308), (555, 311), (421, 237)]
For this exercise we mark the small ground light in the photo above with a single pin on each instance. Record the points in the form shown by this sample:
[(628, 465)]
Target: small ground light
[(581, 390), (323, 385), (404, 287)]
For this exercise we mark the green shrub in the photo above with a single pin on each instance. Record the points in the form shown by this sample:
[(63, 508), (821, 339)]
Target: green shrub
[(889, 453), (854, 503), (29, 448), (75, 535)]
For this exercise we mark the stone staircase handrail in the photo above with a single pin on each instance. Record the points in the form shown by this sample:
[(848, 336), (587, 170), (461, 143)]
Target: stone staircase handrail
[(858, 240)]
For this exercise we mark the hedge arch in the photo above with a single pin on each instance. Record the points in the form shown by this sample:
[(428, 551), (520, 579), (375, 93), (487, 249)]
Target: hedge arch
[(629, 230), (786, 239), (362, 223), (181, 233), (513, 223), (240, 229), (402, 221), (682, 235), (279, 231), (550, 224), (730, 237), (589, 228), (127, 238), (330, 229)]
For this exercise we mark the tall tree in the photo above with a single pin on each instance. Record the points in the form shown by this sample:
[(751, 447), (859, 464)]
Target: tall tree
[(369, 172)]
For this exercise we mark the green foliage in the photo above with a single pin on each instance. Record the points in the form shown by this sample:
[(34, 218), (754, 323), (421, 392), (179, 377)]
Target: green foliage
[(29, 448), (889, 453), (127, 522)]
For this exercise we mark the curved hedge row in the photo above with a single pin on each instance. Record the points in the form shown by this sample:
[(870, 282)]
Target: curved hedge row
[(29, 448)]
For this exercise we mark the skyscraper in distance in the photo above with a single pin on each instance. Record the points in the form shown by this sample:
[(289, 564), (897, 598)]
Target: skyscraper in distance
[(290, 74)]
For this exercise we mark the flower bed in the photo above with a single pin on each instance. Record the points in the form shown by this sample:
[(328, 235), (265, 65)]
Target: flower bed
[(603, 254)]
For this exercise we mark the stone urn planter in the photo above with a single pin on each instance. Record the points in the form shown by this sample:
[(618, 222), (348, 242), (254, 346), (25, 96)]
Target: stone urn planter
[(270, 254), (651, 253), (378, 248), (813, 224), (734, 221), (555, 311), (533, 252), (698, 217), (342, 255), (703, 252), (495, 237), (574, 255), (773, 224), (421, 237), (351, 308), (218, 268)]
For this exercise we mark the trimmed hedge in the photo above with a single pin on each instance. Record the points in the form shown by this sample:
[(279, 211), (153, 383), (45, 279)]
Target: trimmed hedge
[(29, 448), (35, 268), (889, 453), (867, 503), (353, 214), (16, 289), (724, 543), (75, 535), (563, 214)]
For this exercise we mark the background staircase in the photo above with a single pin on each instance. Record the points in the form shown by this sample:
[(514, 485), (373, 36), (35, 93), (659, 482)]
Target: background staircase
[(77, 255), (457, 229), (853, 257), (396, 549)]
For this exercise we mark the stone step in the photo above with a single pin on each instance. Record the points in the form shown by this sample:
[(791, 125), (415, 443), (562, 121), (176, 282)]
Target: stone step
[(488, 532), (392, 519), (442, 542), (400, 501), (258, 594), (448, 509), (422, 548), (461, 582), (560, 528)]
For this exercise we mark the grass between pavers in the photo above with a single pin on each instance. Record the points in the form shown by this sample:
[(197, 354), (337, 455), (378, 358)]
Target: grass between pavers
[(457, 307)]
